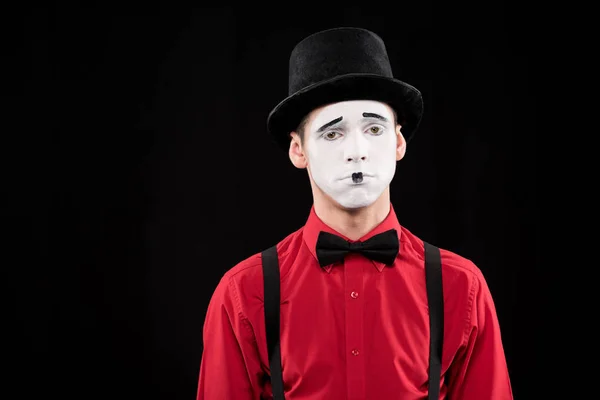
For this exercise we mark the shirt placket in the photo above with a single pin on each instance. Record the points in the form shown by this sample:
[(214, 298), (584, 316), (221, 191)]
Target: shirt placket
[(355, 356)]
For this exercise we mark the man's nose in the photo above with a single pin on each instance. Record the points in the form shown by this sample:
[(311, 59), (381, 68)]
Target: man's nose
[(357, 157), (358, 149)]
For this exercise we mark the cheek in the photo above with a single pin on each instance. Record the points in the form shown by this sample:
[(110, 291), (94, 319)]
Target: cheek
[(384, 154), (320, 157), (324, 166)]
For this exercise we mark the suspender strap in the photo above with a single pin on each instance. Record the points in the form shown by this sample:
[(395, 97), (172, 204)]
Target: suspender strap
[(270, 266), (435, 298)]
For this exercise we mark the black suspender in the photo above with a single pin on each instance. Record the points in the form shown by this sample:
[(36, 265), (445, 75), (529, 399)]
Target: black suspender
[(435, 298), (270, 265)]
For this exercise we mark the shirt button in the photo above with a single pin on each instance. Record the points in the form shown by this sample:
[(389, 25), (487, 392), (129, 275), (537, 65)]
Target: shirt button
[(354, 295), (354, 352)]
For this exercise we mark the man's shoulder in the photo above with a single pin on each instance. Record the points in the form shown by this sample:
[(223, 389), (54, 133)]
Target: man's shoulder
[(249, 270), (461, 276), (453, 263)]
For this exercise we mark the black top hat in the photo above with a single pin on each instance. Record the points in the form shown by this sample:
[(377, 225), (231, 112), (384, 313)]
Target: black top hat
[(342, 64)]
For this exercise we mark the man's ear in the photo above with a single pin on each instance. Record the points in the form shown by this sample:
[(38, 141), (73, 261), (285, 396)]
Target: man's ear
[(400, 143), (296, 152)]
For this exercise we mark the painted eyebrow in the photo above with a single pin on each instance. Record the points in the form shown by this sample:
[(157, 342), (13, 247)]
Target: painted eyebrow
[(327, 125), (373, 115)]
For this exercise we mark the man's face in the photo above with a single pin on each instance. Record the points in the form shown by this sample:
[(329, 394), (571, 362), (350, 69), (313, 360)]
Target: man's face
[(345, 140)]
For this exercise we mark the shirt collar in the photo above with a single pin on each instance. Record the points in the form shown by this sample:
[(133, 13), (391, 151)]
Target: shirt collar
[(314, 225)]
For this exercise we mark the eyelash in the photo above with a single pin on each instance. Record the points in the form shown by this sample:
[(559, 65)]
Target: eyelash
[(372, 126)]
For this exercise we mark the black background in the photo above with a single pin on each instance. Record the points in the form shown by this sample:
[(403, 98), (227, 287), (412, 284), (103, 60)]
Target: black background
[(137, 170)]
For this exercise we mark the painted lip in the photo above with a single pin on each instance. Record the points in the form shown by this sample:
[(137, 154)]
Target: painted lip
[(349, 176)]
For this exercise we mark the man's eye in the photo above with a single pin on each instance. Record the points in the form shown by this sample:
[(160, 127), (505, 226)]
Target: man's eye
[(330, 135), (375, 130)]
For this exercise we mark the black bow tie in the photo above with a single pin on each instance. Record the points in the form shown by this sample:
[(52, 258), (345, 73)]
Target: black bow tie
[(382, 247)]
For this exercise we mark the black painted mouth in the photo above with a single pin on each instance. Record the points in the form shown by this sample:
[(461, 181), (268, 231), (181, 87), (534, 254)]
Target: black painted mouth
[(357, 177)]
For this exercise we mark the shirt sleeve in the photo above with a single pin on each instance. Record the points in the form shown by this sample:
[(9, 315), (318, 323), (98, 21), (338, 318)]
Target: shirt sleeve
[(480, 370), (230, 366)]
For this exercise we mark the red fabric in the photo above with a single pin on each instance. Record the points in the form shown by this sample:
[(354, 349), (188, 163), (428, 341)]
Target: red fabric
[(352, 331)]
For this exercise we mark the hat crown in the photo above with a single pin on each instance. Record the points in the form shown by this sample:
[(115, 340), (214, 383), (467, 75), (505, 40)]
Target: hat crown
[(334, 52)]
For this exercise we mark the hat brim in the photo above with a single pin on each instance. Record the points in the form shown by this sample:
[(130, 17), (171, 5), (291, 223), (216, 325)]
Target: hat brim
[(405, 99)]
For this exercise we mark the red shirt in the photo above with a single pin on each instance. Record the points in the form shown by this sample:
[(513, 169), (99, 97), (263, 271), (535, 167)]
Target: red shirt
[(357, 330)]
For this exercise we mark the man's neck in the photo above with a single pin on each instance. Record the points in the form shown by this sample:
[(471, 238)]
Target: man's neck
[(353, 224)]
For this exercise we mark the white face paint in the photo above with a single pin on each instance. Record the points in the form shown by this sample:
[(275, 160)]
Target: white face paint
[(349, 137)]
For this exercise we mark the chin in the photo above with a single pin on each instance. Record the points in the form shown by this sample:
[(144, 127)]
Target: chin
[(341, 196), (358, 198), (356, 203)]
